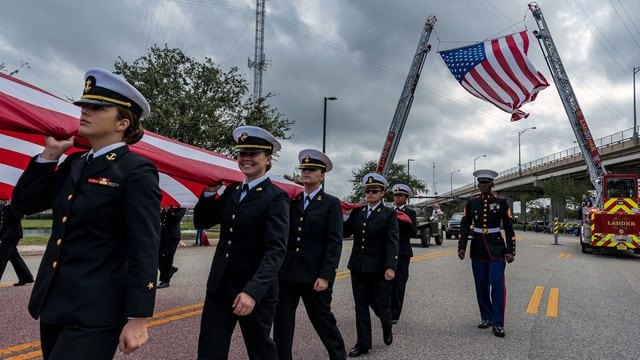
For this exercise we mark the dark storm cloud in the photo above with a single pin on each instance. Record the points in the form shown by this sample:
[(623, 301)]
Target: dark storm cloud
[(360, 52)]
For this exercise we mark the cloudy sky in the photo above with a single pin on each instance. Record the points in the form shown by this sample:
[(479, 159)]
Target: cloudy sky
[(359, 51)]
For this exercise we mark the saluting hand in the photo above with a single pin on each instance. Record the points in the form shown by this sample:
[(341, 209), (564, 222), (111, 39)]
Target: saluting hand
[(389, 274), (133, 335), (54, 148), (461, 254), (320, 284), (243, 304)]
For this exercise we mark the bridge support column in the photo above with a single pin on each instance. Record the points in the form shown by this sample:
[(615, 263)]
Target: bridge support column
[(558, 209)]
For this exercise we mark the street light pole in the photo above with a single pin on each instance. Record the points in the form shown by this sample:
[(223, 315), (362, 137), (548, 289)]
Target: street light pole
[(324, 122), (635, 124), (408, 172), (474, 166), (451, 181), (519, 154)]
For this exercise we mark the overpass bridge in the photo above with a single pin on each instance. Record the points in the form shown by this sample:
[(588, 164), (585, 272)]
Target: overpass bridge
[(620, 153)]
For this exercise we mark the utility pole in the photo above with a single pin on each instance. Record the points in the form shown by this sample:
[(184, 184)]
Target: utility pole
[(635, 124), (259, 64)]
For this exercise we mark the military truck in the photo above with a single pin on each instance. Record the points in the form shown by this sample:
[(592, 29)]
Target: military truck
[(428, 227)]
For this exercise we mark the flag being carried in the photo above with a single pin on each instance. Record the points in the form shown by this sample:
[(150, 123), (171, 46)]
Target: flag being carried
[(498, 71)]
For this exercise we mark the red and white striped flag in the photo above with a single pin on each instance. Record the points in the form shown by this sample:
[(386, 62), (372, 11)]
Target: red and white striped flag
[(498, 71), (27, 113)]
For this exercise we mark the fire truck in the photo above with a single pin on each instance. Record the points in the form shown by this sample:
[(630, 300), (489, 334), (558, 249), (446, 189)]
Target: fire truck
[(613, 219)]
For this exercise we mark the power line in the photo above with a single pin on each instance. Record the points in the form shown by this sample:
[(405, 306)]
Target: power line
[(624, 23), (627, 13)]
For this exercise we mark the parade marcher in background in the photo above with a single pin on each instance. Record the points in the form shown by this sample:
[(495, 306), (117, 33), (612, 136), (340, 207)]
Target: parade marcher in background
[(489, 250), (170, 218), (373, 261), (10, 235), (401, 194), (436, 213), (254, 226), (96, 284), (309, 269)]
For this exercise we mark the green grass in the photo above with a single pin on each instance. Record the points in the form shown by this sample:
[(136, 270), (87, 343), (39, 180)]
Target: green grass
[(34, 224), (34, 240)]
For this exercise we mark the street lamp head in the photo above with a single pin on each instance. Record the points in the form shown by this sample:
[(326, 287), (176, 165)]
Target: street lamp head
[(331, 98), (533, 128)]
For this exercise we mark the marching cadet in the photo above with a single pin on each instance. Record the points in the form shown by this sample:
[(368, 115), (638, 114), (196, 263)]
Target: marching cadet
[(401, 193), (373, 261), (254, 226), (313, 253), (10, 235), (489, 252), (170, 218), (96, 283)]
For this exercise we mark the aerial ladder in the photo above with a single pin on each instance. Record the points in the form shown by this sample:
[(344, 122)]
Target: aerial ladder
[(406, 99), (613, 220)]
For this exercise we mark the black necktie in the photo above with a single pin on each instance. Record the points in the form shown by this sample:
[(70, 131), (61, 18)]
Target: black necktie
[(369, 212), (307, 200), (245, 190), (89, 159)]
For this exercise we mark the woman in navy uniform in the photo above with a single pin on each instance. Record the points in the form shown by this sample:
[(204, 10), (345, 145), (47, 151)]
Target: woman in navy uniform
[(401, 193), (489, 251), (313, 254), (254, 226), (96, 284), (373, 261)]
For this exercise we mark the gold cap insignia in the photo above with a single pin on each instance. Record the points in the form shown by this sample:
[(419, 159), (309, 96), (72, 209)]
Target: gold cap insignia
[(111, 156), (370, 180), (258, 189), (319, 197), (244, 136), (307, 159), (150, 285), (88, 84)]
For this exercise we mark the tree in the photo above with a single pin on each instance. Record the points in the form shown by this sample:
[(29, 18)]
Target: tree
[(197, 102), (23, 64), (397, 174), (562, 187)]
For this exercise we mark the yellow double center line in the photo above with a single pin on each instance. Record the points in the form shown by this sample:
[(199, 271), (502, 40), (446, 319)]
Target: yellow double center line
[(552, 303), (176, 314)]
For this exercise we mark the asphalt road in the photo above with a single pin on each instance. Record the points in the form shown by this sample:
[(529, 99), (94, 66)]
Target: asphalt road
[(585, 307)]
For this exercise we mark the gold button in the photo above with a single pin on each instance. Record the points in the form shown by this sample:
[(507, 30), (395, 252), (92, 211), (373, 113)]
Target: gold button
[(64, 219), (226, 255), (298, 239), (229, 242), (69, 197), (362, 247), (58, 242), (233, 216), (299, 229), (301, 218), (396, 256), (55, 264), (364, 224), (230, 229), (297, 249)]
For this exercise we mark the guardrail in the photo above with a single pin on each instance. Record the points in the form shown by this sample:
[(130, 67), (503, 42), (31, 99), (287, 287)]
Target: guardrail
[(600, 143)]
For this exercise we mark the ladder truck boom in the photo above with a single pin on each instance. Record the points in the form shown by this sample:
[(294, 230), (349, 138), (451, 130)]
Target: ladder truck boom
[(613, 220), (570, 102), (406, 99)]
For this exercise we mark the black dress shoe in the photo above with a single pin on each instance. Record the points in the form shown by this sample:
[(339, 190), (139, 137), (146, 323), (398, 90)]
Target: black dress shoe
[(484, 324), (22, 283), (394, 321), (498, 331), (387, 336), (163, 284), (356, 351)]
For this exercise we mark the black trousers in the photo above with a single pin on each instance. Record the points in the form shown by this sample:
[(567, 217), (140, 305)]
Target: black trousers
[(318, 306), (370, 290), (399, 286), (9, 252), (218, 322), (168, 247), (63, 342)]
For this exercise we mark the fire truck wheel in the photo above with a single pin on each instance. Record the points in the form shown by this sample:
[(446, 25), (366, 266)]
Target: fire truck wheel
[(586, 248)]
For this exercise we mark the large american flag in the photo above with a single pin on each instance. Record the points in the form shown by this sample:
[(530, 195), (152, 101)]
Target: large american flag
[(498, 71)]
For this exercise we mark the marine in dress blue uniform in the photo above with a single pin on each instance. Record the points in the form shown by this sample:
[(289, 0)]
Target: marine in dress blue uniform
[(254, 227), (483, 215), (373, 262), (313, 254), (96, 282), (402, 192)]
